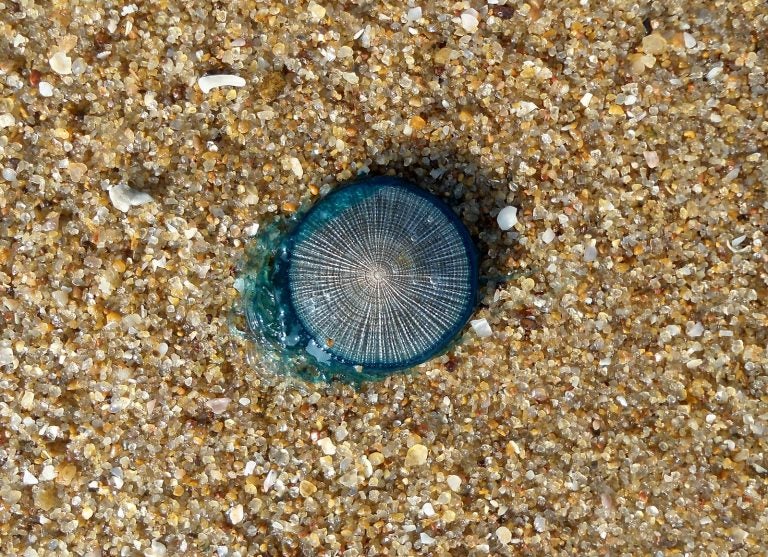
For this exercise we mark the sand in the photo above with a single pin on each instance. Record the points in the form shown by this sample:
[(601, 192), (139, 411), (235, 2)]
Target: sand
[(619, 405)]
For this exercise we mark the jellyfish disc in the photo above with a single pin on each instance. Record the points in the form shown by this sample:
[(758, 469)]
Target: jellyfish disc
[(382, 274)]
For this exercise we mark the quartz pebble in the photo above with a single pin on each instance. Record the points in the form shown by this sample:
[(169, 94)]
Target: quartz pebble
[(48, 473), (469, 20), (316, 11), (651, 158), (6, 120), (414, 14), (481, 327), (504, 535), (454, 482), (590, 253), (416, 456), (45, 88), (218, 405), (654, 44), (236, 514), (327, 446)]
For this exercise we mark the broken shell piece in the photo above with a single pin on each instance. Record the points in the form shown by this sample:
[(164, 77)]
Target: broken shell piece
[(124, 197), (208, 82)]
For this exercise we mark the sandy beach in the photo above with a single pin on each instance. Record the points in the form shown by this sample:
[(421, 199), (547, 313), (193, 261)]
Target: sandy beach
[(620, 405)]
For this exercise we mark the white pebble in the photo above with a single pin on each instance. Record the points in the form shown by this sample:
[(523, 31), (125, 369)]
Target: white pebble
[(28, 478), (428, 510), (629, 100), (209, 82), (732, 174), (236, 514), (414, 14), (503, 535), (469, 21), (269, 481), (540, 523), (45, 88), (327, 446), (48, 473), (6, 120), (586, 99), (61, 63), (157, 549), (296, 167), (694, 329), (416, 455), (6, 355), (507, 217), (714, 72), (218, 405), (523, 108), (249, 467), (9, 174), (454, 482), (426, 539), (27, 400), (124, 197), (689, 40), (590, 253), (250, 230), (350, 77), (710, 419), (481, 327), (547, 236), (651, 158)]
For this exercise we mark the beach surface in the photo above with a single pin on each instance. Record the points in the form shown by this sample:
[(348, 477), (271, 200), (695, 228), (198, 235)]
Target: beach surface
[(619, 405)]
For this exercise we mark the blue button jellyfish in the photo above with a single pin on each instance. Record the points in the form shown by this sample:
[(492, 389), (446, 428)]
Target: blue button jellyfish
[(378, 276)]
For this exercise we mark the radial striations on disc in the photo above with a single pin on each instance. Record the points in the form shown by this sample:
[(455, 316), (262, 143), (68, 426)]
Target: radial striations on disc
[(382, 274)]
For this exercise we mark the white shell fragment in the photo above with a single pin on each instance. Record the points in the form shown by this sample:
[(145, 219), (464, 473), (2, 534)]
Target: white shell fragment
[(547, 236), (507, 217), (734, 245), (124, 197), (481, 327), (209, 82)]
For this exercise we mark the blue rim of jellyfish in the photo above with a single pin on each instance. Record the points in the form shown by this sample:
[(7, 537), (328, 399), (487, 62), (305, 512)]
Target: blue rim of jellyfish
[(272, 318)]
